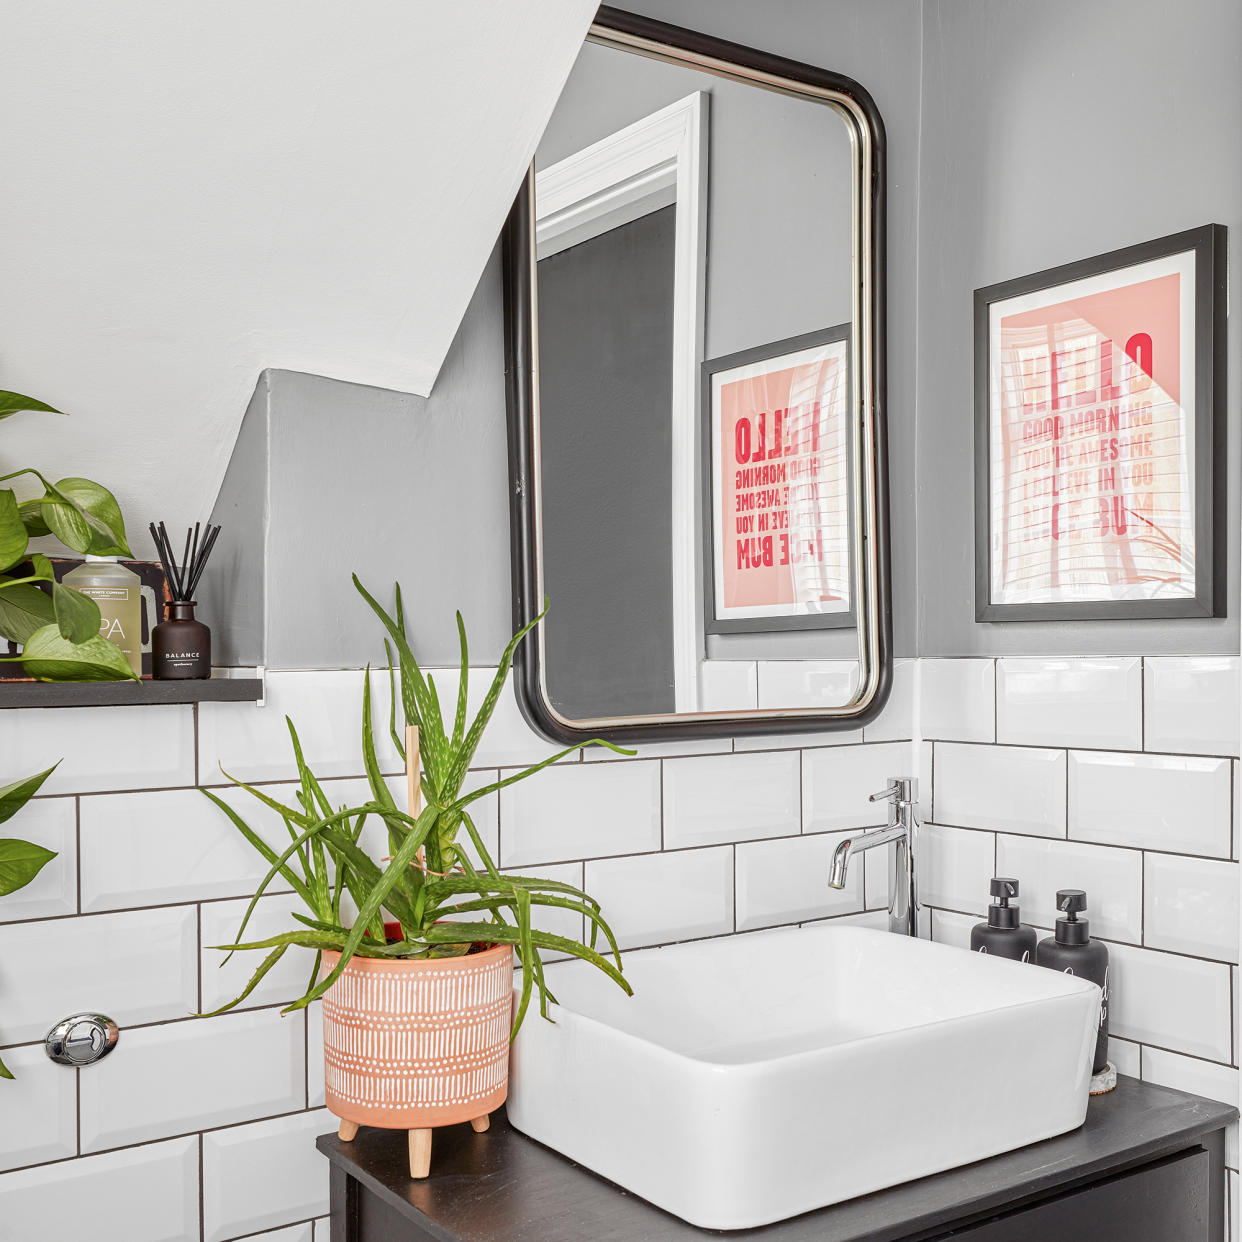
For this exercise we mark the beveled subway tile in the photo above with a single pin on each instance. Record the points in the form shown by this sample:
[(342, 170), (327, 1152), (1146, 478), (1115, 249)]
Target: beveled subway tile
[(955, 865), (958, 700), (1192, 704), (728, 685), (949, 927), (100, 748), (97, 1197), (1112, 878), (240, 1193), (806, 684), (837, 784), (1173, 1002), (1093, 702), (730, 798), (786, 881), (1160, 802), (1192, 906), (193, 1075), (634, 895), (139, 966), (1007, 788), (40, 1111), (896, 721), (51, 823), (1216, 1082), (223, 980), (581, 811)]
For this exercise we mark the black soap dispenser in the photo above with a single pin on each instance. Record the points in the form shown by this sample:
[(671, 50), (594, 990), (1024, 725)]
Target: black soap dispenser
[(1003, 934), (1072, 951)]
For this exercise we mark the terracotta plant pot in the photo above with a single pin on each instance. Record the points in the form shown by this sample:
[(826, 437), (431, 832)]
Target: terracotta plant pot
[(414, 1043)]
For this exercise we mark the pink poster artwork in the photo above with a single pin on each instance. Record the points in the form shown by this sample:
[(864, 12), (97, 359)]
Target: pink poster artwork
[(781, 492), (1092, 441)]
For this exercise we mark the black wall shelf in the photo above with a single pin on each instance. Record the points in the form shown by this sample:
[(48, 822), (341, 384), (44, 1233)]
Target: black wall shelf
[(131, 693)]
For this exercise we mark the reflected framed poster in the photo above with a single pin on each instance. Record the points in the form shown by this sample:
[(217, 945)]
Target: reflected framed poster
[(1099, 436), (776, 486)]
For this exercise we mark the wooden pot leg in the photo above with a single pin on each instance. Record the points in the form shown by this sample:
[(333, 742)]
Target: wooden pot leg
[(479, 1124), (420, 1153), (347, 1131)]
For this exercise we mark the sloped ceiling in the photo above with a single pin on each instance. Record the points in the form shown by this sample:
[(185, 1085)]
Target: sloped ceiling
[(192, 193)]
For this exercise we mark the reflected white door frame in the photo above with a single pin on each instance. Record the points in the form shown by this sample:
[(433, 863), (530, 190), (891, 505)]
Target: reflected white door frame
[(656, 162)]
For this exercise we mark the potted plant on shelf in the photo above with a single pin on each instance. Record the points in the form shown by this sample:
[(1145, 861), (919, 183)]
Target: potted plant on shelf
[(57, 627), (20, 861), (414, 940)]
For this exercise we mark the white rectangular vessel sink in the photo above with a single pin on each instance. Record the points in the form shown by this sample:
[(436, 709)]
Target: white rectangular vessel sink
[(753, 1078)]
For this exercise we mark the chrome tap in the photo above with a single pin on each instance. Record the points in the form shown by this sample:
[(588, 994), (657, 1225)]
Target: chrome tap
[(901, 795)]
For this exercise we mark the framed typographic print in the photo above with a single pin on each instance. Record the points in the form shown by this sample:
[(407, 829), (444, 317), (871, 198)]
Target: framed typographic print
[(776, 486), (1099, 436)]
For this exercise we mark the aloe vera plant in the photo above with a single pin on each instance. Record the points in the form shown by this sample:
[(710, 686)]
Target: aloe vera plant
[(20, 861), (441, 901), (58, 628)]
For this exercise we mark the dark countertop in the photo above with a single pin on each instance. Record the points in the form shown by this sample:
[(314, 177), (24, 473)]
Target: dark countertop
[(503, 1187)]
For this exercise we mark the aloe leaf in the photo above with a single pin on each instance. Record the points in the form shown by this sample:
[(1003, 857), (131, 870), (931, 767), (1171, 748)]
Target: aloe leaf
[(463, 685), (14, 537), (13, 403), (47, 656), (24, 609), (15, 796), (20, 862), (475, 794), (526, 950), (397, 740), (77, 615), (540, 899), (268, 962)]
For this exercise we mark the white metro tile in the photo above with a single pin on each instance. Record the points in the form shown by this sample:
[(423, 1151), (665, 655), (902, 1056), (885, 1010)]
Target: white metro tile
[(252, 743), (875, 884), (951, 928), (508, 741), (786, 881), (1192, 704), (172, 845), (728, 686), (1217, 1082), (136, 967), (1008, 788), (100, 747), (323, 1229), (293, 1233), (730, 798), (873, 920), (223, 980), (40, 1111), (958, 700), (181, 1076), (804, 684), (659, 750), (1083, 702), (955, 865), (1192, 906), (51, 823), (1112, 878), (314, 1055), (634, 895), (140, 1194), (1124, 1055), (798, 741), (837, 784), (1173, 1002), (1160, 802), (240, 1193), (896, 720), (581, 811)]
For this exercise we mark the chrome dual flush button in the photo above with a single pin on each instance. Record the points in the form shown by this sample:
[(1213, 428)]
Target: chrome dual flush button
[(81, 1040)]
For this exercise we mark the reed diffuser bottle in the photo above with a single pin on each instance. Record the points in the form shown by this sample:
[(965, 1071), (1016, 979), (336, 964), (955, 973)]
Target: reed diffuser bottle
[(181, 644)]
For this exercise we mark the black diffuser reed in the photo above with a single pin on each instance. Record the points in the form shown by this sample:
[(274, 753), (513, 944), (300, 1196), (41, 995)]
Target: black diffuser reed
[(181, 645)]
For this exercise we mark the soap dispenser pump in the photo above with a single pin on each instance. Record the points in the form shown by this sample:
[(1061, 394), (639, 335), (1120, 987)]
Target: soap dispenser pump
[(1072, 951), (1003, 934)]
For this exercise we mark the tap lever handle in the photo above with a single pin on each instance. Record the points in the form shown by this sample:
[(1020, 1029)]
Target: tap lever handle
[(891, 794), (900, 789)]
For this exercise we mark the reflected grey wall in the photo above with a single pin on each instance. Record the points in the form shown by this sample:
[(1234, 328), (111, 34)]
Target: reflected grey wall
[(605, 381), (1054, 132)]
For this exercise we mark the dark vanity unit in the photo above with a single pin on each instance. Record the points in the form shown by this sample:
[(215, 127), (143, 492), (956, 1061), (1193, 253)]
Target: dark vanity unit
[(1148, 1166)]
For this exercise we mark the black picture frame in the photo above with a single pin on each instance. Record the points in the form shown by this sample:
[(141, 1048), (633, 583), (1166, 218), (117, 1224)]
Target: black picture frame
[(1208, 244), (846, 619), (517, 256)]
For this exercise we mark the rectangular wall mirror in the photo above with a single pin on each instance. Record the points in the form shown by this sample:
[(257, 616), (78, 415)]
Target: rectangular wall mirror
[(695, 334)]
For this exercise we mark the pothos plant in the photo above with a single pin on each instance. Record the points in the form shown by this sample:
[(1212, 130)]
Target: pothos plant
[(57, 627), (426, 883), (20, 861)]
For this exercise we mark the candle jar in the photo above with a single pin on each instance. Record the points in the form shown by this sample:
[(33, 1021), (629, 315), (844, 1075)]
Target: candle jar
[(181, 645)]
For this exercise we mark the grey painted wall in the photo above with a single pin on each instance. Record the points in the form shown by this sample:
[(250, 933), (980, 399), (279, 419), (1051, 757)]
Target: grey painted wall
[(605, 376), (1135, 105)]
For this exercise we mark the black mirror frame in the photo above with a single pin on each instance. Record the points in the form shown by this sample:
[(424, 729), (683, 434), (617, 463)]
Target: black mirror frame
[(520, 373)]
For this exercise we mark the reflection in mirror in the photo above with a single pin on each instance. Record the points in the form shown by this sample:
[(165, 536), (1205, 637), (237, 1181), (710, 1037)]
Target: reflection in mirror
[(697, 445)]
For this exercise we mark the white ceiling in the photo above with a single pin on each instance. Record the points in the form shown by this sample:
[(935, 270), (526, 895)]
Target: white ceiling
[(191, 193)]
